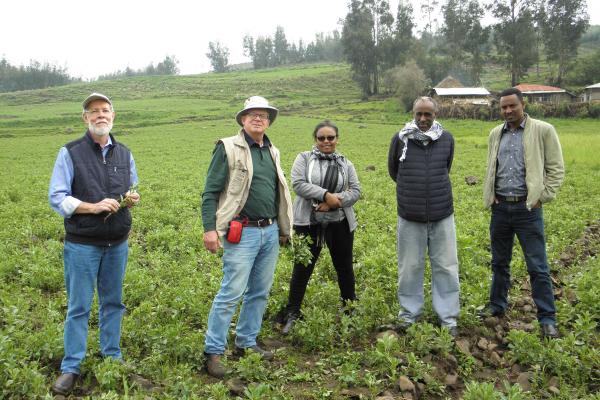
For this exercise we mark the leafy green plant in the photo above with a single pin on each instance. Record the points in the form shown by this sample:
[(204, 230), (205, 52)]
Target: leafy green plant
[(110, 374), (415, 368), (424, 338), (258, 391), (251, 367)]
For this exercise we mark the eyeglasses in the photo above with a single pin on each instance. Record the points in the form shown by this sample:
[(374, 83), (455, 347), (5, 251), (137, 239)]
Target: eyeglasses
[(262, 117), (97, 111), (323, 138)]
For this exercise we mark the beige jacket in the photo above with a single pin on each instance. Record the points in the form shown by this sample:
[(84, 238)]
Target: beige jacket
[(234, 196), (543, 162)]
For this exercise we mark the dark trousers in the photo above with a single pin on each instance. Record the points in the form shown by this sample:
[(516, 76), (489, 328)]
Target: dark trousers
[(339, 240), (507, 220)]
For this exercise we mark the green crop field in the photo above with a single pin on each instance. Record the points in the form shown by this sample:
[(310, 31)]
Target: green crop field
[(171, 124)]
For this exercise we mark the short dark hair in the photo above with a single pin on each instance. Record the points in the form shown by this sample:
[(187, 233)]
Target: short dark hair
[(323, 124), (511, 91)]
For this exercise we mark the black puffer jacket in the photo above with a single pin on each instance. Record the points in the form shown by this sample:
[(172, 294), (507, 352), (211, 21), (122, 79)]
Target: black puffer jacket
[(423, 189)]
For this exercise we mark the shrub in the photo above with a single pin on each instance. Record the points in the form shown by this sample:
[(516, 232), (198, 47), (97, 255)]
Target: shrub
[(536, 110), (594, 110), (407, 81)]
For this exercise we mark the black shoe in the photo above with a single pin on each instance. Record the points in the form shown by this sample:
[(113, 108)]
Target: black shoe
[(549, 331), (265, 354), (289, 324), (402, 326), (64, 384), (489, 311)]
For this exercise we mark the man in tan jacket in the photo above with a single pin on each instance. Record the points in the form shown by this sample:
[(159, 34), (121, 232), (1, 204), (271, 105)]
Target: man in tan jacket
[(245, 189), (525, 169)]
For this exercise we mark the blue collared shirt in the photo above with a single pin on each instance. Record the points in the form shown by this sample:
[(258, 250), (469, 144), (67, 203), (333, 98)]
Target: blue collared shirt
[(510, 174), (59, 193)]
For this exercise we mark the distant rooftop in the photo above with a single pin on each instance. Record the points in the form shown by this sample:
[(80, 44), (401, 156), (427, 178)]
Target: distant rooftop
[(462, 91), (531, 88), (449, 82), (596, 86)]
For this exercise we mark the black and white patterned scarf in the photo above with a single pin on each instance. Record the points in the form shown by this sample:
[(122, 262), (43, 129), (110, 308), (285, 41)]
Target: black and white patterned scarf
[(412, 131)]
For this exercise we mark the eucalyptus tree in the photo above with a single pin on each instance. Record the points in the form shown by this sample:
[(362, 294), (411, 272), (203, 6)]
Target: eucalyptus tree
[(566, 22), (465, 38), (218, 56), (514, 35)]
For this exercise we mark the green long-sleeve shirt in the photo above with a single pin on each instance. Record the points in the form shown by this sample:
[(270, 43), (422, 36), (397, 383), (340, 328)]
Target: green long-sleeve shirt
[(262, 199)]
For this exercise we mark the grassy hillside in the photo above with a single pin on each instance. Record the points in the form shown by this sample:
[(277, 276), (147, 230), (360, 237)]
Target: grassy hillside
[(171, 125)]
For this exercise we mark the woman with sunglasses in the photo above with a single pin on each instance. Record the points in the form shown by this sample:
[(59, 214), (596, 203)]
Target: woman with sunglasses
[(326, 187)]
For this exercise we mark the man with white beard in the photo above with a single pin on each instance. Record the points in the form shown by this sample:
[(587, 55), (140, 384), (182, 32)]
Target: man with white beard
[(92, 175)]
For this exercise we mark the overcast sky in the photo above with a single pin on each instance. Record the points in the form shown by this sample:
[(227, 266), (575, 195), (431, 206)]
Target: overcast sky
[(92, 38)]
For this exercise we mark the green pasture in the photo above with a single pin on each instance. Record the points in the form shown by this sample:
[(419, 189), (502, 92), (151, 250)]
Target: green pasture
[(171, 124)]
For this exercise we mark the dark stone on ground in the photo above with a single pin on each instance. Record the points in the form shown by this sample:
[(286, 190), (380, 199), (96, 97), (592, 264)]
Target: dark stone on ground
[(236, 386), (524, 381), (405, 384), (471, 180)]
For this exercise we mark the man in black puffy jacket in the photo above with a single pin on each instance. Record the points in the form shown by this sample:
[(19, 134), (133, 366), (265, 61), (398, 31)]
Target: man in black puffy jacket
[(419, 161)]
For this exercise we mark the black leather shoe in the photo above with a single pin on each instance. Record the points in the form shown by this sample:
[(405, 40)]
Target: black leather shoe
[(402, 326), (289, 324), (488, 311), (549, 331), (265, 354), (64, 384)]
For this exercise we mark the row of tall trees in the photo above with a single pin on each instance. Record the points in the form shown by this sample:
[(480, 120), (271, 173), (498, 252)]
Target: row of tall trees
[(271, 51), (525, 32), (168, 66), (33, 76)]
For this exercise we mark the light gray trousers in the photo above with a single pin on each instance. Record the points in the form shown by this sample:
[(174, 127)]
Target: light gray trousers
[(438, 238)]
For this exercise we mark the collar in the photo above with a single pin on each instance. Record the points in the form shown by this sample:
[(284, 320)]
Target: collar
[(251, 142), (109, 143), (521, 125)]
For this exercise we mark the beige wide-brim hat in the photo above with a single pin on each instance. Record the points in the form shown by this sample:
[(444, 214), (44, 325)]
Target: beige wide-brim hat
[(95, 96), (257, 102)]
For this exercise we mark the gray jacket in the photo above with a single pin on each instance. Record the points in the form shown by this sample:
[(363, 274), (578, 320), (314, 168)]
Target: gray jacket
[(307, 193)]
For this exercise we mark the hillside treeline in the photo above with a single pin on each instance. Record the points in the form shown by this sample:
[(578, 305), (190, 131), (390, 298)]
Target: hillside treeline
[(168, 66), (38, 76), (33, 76), (272, 51), (383, 47), (525, 33)]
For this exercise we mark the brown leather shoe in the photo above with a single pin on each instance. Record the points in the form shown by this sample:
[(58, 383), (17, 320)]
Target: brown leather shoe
[(64, 383), (214, 366)]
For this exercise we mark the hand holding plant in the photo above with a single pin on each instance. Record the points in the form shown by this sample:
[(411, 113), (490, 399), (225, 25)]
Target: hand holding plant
[(130, 199)]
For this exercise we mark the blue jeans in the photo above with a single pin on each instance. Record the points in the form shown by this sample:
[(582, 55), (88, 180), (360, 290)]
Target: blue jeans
[(439, 240), (507, 220), (87, 267), (248, 269)]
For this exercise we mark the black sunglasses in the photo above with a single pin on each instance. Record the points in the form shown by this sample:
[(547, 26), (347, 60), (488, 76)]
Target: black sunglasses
[(329, 138)]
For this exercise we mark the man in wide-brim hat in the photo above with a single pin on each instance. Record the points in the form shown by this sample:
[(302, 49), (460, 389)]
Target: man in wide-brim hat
[(246, 210)]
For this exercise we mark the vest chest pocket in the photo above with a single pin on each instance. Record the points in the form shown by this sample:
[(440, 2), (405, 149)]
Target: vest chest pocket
[(118, 179), (236, 182)]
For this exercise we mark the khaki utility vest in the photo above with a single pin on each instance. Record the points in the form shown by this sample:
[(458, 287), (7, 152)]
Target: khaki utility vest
[(233, 197)]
